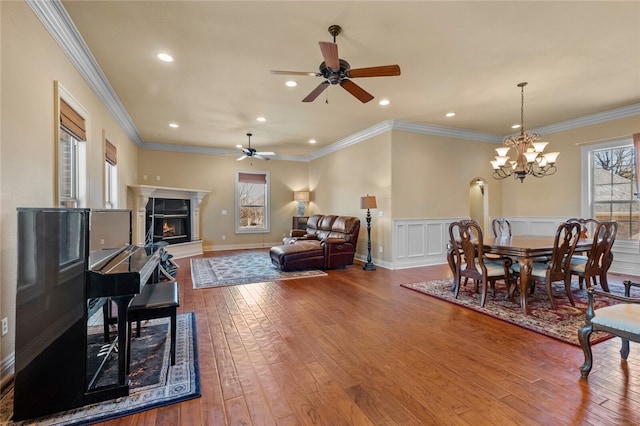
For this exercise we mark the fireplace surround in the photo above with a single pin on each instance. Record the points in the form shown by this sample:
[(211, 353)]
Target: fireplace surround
[(168, 214)]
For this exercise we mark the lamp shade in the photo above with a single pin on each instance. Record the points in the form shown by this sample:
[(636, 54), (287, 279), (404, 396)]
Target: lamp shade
[(368, 202), (301, 196)]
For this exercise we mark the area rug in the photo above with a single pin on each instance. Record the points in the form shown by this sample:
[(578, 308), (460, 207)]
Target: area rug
[(154, 381), (242, 268), (561, 324)]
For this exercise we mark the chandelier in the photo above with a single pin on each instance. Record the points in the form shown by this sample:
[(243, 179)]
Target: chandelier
[(530, 159)]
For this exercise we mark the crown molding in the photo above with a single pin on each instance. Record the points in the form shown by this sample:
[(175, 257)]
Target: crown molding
[(56, 20)]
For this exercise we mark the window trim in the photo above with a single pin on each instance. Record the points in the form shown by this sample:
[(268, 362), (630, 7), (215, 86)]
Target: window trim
[(60, 93), (267, 203)]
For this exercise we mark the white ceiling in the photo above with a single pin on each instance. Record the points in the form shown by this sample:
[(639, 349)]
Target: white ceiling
[(580, 58)]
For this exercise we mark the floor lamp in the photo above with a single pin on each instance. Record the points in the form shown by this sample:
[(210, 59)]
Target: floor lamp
[(368, 202)]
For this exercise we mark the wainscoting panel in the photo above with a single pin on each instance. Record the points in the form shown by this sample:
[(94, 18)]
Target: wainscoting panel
[(420, 242)]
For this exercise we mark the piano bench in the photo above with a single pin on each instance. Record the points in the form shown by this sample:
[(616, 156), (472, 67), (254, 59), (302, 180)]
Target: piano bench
[(158, 300)]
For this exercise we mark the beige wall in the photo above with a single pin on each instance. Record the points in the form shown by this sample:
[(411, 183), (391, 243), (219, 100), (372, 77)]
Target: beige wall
[(31, 62), (338, 180), (216, 173)]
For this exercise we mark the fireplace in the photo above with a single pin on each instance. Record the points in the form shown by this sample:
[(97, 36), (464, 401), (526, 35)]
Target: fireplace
[(174, 217), (168, 220)]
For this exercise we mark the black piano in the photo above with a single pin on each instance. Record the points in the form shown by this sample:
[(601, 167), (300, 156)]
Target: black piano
[(61, 285)]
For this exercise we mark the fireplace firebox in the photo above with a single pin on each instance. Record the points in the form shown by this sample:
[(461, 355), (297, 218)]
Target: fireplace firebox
[(168, 220)]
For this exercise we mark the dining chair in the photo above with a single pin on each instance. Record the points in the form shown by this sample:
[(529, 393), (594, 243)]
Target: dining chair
[(598, 260), (501, 227), (469, 260), (558, 266), (454, 245), (621, 319)]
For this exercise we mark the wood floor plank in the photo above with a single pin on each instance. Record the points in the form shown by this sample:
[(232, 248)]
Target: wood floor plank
[(353, 347)]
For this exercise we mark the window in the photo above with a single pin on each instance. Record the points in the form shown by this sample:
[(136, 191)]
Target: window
[(612, 186), (252, 202), (68, 169), (70, 150), (110, 176)]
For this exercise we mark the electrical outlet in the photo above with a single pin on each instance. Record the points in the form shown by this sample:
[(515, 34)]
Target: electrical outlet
[(379, 249), (5, 325), (224, 237)]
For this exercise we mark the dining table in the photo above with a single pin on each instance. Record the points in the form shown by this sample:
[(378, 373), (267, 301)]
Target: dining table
[(525, 248)]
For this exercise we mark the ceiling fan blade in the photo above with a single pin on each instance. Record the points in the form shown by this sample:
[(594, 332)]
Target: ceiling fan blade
[(265, 153), (330, 54), (356, 91), (381, 71), (260, 157), (312, 74), (316, 92), (241, 158)]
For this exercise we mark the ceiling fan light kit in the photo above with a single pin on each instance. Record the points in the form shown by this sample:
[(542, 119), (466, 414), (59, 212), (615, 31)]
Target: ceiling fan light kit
[(336, 71), (251, 152)]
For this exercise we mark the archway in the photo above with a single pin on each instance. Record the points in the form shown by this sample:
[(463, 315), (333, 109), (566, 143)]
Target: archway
[(479, 202)]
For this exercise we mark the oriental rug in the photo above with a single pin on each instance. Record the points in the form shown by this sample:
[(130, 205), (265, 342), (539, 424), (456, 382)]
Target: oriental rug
[(561, 324), (154, 381), (242, 268)]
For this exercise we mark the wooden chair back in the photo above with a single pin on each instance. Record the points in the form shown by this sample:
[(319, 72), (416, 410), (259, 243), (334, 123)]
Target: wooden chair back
[(566, 239), (600, 256), (501, 227), (587, 225), (469, 258)]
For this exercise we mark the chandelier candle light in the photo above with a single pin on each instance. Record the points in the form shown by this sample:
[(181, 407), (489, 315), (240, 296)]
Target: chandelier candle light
[(368, 202), (530, 159)]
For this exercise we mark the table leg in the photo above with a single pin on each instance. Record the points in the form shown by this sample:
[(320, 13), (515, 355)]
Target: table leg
[(525, 275)]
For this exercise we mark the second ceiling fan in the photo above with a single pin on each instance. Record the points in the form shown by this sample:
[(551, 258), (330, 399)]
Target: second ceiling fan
[(338, 71)]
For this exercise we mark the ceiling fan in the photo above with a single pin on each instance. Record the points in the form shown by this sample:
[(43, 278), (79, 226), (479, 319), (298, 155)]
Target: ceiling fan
[(338, 71), (250, 152)]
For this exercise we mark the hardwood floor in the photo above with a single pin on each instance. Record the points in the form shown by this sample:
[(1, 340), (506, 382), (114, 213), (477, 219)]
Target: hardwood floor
[(355, 348)]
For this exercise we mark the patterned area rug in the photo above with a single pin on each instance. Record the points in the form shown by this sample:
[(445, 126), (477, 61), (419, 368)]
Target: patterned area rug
[(243, 268), (154, 381), (561, 324)]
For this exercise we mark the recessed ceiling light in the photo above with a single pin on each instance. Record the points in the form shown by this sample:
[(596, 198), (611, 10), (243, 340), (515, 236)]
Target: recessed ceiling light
[(450, 114), (312, 141), (384, 102), (174, 125), (238, 146), (261, 119), (164, 57), (515, 126), (290, 83)]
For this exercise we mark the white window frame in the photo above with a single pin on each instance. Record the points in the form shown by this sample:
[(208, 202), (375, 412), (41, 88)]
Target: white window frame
[(80, 160), (266, 228), (110, 186), (587, 179)]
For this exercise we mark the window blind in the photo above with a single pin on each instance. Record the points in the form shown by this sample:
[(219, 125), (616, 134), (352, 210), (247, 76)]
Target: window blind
[(258, 179), (110, 153), (72, 121), (636, 145)]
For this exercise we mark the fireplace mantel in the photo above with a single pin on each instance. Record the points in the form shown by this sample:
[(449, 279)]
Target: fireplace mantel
[(142, 194)]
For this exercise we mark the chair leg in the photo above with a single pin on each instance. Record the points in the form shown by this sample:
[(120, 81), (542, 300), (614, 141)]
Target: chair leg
[(483, 295), (567, 289), (624, 350), (581, 282), (550, 294), (584, 333), (603, 282)]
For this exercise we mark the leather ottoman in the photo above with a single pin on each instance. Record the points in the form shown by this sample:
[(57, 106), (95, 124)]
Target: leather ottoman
[(301, 255)]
